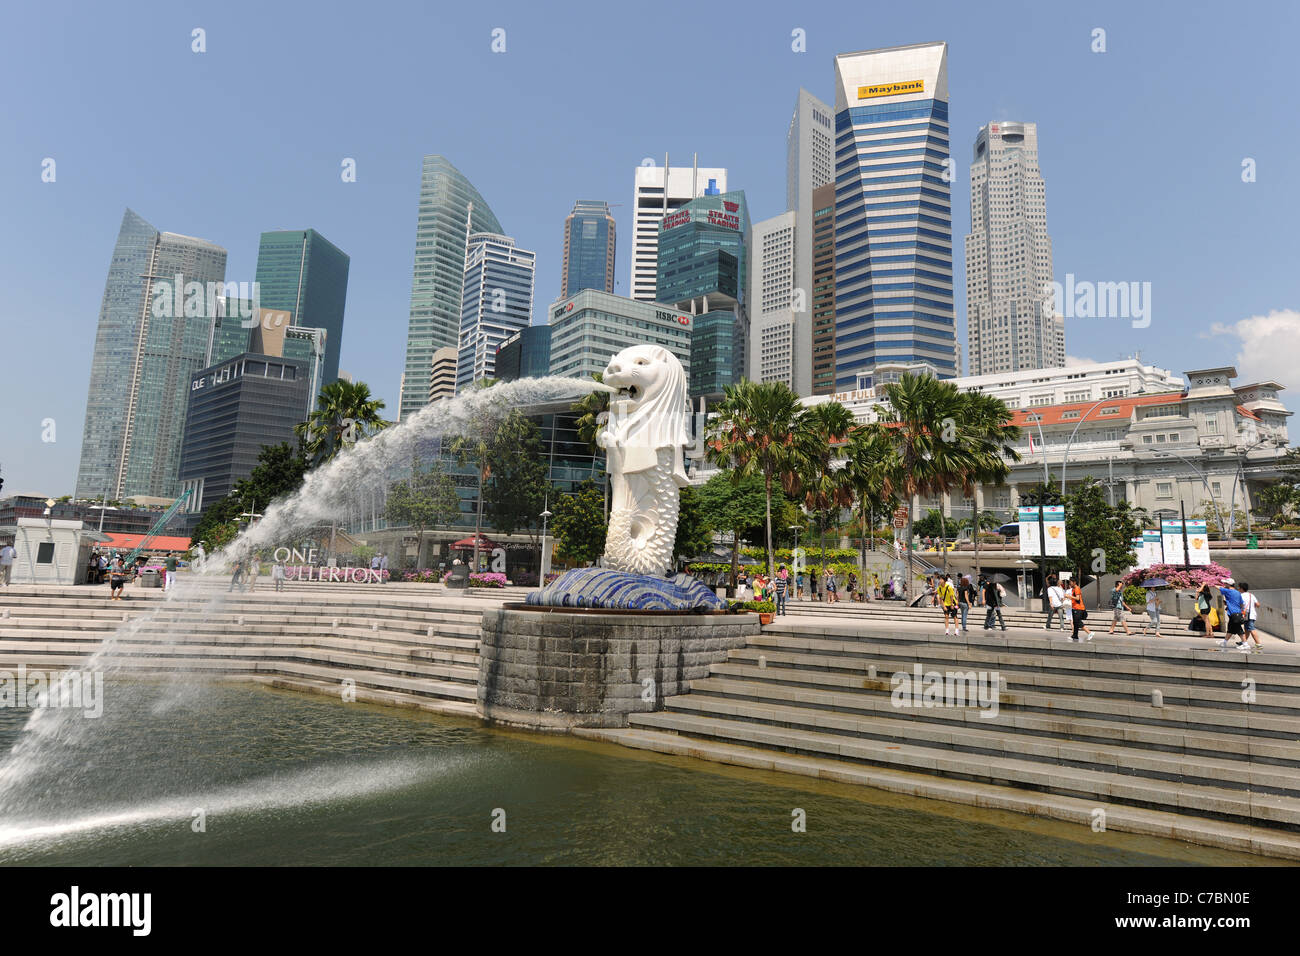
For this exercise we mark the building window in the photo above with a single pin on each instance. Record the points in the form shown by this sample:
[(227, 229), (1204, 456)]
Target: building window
[(1164, 489), (1211, 425), (1216, 487), (1146, 439), (45, 552)]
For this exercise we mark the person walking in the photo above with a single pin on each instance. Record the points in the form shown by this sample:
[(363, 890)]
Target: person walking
[(993, 602), (1056, 602), (236, 579), (832, 593), (966, 596), (7, 554), (812, 585), (169, 571), (852, 586), (947, 596), (374, 561), (1153, 613), (254, 571), (1078, 612), (277, 575), (780, 587), (1118, 607), (1232, 606), (1250, 613), (116, 578), (742, 587), (800, 580), (383, 564), (1204, 604)]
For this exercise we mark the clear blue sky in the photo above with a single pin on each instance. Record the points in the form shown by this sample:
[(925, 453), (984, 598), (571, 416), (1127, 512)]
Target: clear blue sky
[(1141, 148)]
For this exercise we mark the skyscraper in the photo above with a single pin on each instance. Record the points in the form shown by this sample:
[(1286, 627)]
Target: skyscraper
[(1011, 321), (438, 277), (823, 290), (303, 273), (810, 151), (589, 238), (155, 326), (655, 193), (703, 252), (496, 302), (772, 297), (893, 216)]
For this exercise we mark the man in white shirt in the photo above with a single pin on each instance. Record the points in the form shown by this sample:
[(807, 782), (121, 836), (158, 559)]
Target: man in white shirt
[(1056, 602), (1250, 613), (7, 554)]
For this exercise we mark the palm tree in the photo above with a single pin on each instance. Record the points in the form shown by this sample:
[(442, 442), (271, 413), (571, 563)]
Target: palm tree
[(344, 415), (814, 475), (754, 434), (867, 462), (991, 436)]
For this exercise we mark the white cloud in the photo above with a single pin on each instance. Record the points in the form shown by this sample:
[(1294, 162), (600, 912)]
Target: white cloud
[(1268, 348), (1073, 361)]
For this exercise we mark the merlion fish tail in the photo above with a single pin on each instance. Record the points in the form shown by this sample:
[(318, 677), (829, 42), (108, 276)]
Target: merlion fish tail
[(640, 539)]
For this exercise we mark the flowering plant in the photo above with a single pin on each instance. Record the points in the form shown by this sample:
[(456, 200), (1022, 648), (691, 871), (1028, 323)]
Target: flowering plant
[(1180, 577)]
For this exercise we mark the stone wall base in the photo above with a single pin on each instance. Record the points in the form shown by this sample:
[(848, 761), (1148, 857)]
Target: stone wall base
[(553, 669)]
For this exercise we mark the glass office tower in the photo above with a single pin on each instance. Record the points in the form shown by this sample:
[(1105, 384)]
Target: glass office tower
[(589, 239), (154, 332), (303, 273), (496, 302), (438, 278), (703, 268), (893, 216)]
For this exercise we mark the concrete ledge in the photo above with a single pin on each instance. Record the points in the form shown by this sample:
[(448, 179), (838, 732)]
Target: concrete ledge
[(557, 668)]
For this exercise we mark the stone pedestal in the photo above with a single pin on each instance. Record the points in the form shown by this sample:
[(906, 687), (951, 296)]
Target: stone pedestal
[(556, 668)]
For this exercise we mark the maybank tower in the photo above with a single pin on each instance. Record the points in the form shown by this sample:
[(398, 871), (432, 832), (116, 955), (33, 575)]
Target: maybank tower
[(893, 217)]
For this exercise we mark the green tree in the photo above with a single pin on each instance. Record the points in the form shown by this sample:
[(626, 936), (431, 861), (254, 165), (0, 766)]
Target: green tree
[(515, 493), (579, 524), (1278, 500), (344, 415), (694, 534), (814, 471), (753, 434), (1098, 535), (734, 506), (425, 500), (279, 472)]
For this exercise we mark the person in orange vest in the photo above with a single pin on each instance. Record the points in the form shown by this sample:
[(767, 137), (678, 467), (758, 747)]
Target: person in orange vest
[(1078, 612)]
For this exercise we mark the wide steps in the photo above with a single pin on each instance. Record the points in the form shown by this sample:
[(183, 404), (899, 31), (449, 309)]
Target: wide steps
[(1267, 808), (829, 692), (975, 735)]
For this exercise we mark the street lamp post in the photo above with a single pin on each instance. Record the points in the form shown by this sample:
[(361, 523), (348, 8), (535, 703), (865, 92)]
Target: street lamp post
[(1241, 476), (541, 569), (1065, 459)]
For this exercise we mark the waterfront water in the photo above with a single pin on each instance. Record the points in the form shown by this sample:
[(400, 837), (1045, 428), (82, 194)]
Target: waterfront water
[(283, 778)]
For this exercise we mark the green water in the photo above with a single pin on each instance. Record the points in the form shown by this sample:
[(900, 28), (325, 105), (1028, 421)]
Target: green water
[(283, 778)]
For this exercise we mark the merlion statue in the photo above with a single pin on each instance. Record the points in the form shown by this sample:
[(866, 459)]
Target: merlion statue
[(643, 441)]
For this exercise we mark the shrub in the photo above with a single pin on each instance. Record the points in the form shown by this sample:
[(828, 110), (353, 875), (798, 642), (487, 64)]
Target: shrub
[(487, 579), (1135, 597), (761, 607)]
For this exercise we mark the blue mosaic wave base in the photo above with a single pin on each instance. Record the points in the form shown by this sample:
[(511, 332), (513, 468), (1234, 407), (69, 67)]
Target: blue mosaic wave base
[(609, 589)]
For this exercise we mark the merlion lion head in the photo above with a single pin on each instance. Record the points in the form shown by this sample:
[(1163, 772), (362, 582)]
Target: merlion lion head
[(648, 408)]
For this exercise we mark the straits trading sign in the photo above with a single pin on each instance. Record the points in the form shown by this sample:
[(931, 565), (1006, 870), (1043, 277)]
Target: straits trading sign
[(675, 219), (891, 89)]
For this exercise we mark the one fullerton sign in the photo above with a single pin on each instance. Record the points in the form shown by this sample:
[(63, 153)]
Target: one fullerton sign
[(891, 89)]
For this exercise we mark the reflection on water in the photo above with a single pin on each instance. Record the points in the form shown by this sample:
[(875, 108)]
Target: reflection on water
[(238, 775)]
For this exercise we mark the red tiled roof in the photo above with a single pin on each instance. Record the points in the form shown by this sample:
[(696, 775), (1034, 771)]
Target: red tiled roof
[(120, 539), (1243, 410), (1053, 414)]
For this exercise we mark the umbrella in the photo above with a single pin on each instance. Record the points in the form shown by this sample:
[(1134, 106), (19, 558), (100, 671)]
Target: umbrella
[(1000, 578), (1154, 583)]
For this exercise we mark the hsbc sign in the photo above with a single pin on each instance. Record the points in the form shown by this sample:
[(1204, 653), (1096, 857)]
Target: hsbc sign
[(562, 310), (670, 317)]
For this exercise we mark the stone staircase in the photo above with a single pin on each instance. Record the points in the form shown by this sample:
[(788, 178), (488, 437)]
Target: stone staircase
[(404, 649), (1079, 722)]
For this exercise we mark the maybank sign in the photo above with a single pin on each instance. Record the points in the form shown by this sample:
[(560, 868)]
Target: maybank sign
[(891, 89)]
